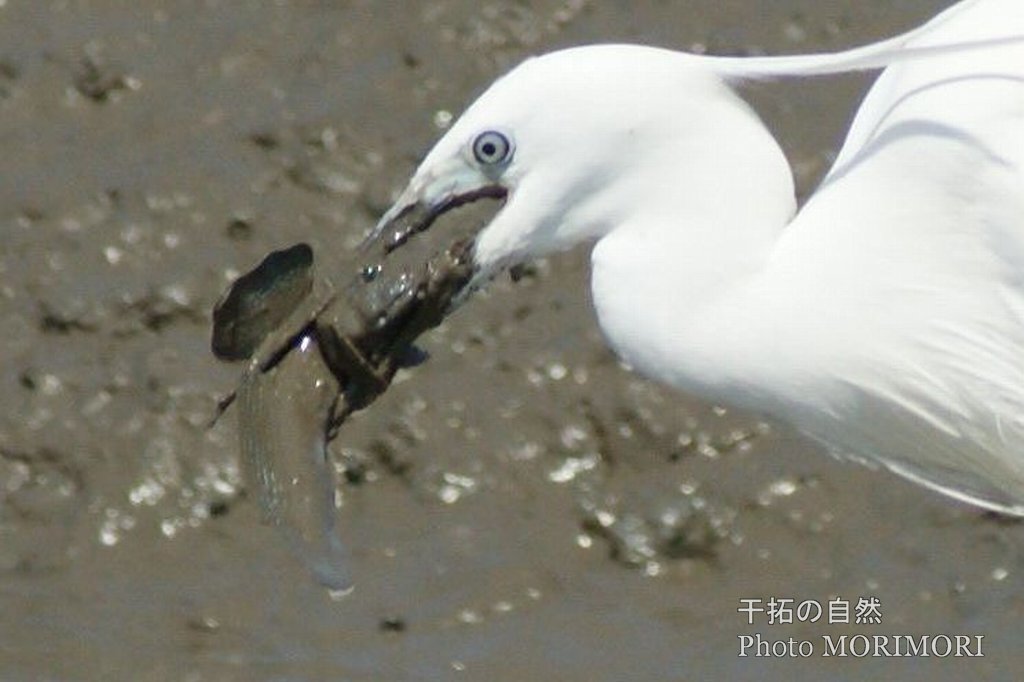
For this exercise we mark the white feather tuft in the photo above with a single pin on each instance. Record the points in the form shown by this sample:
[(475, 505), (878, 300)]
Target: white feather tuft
[(865, 58)]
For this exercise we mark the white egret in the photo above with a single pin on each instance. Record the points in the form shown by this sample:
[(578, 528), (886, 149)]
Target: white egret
[(884, 319)]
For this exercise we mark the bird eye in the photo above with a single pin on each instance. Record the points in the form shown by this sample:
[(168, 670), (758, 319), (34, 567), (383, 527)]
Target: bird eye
[(491, 148)]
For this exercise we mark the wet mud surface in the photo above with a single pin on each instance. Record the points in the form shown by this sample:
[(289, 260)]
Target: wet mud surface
[(520, 506)]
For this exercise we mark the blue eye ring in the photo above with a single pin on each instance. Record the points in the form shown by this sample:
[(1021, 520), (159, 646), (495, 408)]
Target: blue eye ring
[(492, 148)]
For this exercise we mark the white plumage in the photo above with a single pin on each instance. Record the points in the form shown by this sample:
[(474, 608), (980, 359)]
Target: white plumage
[(885, 318)]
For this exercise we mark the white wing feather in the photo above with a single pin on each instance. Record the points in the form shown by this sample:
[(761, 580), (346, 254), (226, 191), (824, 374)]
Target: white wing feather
[(919, 227)]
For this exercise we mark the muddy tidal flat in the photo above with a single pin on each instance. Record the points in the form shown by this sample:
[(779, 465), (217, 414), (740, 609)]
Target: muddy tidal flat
[(520, 507)]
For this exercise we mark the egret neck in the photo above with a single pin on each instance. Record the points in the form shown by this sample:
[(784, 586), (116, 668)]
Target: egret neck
[(705, 209)]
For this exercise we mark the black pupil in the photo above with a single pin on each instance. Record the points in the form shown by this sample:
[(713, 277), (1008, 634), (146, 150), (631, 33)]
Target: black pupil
[(489, 148)]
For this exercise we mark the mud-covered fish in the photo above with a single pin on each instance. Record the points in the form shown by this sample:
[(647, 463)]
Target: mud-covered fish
[(316, 351)]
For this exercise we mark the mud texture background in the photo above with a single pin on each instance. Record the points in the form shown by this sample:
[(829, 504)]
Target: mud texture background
[(519, 508)]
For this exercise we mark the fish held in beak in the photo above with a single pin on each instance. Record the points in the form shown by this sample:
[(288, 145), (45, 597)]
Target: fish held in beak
[(316, 351)]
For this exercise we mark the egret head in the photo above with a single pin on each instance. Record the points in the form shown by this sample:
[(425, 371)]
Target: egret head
[(571, 141)]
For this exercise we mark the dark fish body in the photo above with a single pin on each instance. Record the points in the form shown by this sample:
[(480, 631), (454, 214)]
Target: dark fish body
[(315, 353), (260, 301)]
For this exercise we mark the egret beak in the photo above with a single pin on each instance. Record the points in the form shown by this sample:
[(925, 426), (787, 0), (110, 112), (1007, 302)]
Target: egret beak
[(426, 199)]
